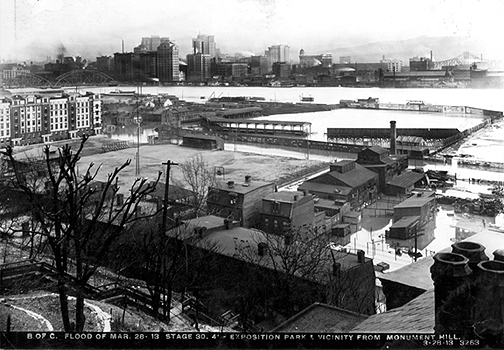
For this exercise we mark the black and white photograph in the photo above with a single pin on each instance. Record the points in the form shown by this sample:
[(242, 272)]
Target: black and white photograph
[(251, 174)]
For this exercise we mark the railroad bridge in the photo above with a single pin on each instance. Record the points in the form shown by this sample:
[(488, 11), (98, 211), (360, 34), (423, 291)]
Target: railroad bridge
[(76, 77)]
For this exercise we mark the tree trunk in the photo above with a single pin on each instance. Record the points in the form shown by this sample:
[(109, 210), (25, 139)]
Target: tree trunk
[(80, 318), (63, 304), (167, 303), (155, 297)]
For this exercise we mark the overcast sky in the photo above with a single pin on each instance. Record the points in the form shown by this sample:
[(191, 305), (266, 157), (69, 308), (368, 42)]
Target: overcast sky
[(35, 29)]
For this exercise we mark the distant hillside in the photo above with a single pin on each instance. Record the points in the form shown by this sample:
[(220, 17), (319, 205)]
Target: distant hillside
[(442, 48)]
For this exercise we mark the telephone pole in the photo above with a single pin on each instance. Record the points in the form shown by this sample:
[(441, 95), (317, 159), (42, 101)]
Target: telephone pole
[(168, 164)]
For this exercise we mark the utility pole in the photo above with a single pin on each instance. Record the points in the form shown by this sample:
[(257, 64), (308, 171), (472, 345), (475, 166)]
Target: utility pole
[(168, 164), (138, 122)]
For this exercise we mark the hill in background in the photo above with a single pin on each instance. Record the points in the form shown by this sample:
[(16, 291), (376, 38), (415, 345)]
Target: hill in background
[(442, 48)]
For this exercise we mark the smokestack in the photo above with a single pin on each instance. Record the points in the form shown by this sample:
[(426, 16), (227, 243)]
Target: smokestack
[(431, 55), (393, 137), (451, 275), (123, 46)]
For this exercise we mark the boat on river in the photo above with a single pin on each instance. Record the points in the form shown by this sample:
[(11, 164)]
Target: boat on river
[(118, 92)]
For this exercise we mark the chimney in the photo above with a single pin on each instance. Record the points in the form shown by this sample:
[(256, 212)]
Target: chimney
[(475, 252), (499, 255), (230, 184), (296, 197), (489, 299), (452, 278), (360, 256), (393, 137), (248, 178)]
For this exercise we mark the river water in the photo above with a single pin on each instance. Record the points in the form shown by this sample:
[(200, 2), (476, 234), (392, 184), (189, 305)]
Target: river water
[(486, 145)]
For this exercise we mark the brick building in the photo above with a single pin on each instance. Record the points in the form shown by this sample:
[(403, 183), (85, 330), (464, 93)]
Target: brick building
[(37, 117), (239, 200), (346, 182), (287, 211)]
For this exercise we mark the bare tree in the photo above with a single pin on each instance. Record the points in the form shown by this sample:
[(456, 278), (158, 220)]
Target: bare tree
[(78, 220), (303, 269), (198, 176), (164, 262), (295, 263)]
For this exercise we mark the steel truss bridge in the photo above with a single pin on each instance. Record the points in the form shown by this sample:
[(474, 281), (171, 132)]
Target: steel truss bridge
[(465, 59), (72, 78)]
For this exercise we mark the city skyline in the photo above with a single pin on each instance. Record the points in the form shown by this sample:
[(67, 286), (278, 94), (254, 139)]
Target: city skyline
[(34, 30)]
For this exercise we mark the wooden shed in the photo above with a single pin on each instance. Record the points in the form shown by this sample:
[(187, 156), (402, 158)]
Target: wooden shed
[(203, 141)]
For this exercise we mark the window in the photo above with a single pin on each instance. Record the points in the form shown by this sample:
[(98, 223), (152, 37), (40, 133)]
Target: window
[(275, 207)]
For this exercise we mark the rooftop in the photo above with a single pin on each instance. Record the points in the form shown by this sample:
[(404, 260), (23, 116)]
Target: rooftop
[(353, 178), (416, 274), (326, 203), (405, 221), (239, 187), (285, 196), (314, 186), (242, 243), (321, 318), (209, 221), (415, 201), (174, 192), (406, 179), (202, 137), (417, 316)]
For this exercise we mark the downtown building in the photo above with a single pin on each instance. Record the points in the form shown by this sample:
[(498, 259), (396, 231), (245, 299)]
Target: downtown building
[(155, 59), (38, 117), (205, 45), (277, 53)]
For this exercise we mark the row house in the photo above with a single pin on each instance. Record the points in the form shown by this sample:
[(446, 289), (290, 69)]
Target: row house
[(37, 118)]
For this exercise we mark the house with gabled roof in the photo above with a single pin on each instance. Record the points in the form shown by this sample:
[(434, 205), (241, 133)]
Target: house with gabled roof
[(378, 160), (346, 182)]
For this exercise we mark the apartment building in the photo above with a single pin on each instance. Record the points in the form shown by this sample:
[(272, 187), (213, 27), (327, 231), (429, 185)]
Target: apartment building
[(39, 117)]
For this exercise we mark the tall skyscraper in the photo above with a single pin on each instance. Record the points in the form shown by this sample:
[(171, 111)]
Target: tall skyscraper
[(198, 67), (168, 62), (277, 53), (204, 44), (152, 43)]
